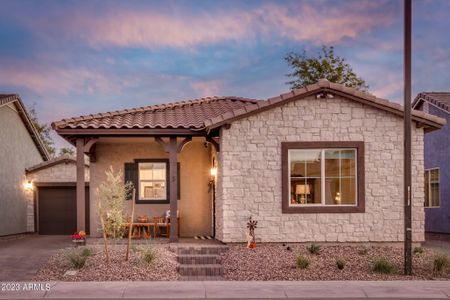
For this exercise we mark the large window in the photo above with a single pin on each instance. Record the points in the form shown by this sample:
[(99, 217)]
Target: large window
[(152, 180), (323, 177), (432, 198)]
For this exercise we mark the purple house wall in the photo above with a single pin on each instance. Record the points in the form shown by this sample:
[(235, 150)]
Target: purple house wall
[(437, 155)]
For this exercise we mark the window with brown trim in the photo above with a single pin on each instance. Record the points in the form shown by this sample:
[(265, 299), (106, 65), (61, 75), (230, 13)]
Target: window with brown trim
[(432, 198), (323, 177)]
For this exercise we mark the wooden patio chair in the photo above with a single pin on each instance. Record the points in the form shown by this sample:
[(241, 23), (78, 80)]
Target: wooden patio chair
[(164, 222)]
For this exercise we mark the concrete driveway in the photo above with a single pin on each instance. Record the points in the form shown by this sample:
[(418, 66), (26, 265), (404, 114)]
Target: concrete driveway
[(21, 258)]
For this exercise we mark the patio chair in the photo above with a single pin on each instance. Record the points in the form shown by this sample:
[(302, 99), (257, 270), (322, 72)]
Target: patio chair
[(164, 222)]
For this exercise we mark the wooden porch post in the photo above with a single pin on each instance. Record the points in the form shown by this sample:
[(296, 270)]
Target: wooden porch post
[(172, 147), (81, 209)]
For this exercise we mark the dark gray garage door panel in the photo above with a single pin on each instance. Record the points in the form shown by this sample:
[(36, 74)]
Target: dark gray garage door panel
[(58, 210)]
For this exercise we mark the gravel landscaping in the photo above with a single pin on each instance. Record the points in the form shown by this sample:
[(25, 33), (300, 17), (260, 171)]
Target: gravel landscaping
[(276, 262), (162, 266)]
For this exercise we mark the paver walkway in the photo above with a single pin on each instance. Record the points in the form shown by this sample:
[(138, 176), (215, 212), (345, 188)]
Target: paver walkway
[(21, 258), (242, 290)]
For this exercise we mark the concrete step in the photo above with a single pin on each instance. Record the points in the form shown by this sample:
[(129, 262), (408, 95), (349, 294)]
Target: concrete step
[(197, 259), (200, 250), (201, 278), (200, 270)]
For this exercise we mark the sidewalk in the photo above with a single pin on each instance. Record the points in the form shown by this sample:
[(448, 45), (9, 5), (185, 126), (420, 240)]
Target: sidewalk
[(241, 290)]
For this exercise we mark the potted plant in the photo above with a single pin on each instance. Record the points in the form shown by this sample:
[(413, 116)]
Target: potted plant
[(251, 226), (79, 238)]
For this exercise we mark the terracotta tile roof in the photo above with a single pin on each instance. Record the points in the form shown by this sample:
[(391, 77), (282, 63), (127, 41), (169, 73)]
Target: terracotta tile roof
[(15, 99), (189, 114), (440, 99), (324, 85)]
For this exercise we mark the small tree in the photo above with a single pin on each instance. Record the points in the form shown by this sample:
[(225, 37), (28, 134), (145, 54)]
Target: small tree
[(326, 65), (66, 151), (112, 194), (43, 130)]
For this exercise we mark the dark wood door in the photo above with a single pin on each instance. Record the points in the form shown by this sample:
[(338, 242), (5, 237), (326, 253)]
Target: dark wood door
[(57, 210)]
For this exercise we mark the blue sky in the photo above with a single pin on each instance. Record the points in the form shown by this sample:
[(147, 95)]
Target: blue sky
[(78, 57)]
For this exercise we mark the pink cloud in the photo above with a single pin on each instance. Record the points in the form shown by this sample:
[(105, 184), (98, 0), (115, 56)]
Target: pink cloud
[(54, 80), (151, 29), (206, 88)]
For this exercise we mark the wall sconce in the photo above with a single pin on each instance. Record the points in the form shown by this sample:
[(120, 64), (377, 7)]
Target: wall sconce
[(213, 172), (28, 185)]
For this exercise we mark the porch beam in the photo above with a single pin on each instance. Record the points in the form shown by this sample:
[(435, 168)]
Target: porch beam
[(214, 142), (81, 195), (172, 148)]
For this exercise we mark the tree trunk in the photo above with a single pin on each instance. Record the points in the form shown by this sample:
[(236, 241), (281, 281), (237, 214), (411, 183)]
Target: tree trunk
[(131, 226)]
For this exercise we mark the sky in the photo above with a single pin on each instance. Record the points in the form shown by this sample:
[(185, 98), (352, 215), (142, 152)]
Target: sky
[(71, 58)]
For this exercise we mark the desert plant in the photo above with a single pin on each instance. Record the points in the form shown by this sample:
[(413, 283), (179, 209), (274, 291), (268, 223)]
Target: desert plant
[(314, 249), (418, 250), (85, 251), (76, 259), (112, 194), (302, 262), (384, 266), (363, 251), (340, 263), (149, 255), (440, 263)]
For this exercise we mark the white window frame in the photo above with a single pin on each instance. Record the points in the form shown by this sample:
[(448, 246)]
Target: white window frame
[(152, 180), (323, 178), (429, 187)]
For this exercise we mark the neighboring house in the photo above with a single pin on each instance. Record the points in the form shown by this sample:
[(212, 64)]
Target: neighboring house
[(20, 147), (437, 163), (321, 163)]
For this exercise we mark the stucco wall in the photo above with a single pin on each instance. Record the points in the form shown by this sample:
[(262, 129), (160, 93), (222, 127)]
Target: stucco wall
[(437, 154), (195, 204), (63, 172), (18, 151), (249, 180)]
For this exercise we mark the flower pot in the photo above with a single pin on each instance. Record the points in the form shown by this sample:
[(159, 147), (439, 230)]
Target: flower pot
[(252, 245)]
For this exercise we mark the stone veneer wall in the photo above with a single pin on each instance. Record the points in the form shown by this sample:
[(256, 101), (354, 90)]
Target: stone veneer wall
[(249, 179), (63, 172)]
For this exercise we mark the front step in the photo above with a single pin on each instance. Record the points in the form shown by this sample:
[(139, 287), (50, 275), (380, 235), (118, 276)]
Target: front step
[(200, 270), (200, 250), (197, 259)]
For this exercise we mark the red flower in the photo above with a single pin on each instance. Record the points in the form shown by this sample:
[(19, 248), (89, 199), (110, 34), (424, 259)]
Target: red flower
[(76, 236)]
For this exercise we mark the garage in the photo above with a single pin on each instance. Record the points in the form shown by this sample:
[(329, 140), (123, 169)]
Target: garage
[(57, 210), (52, 201)]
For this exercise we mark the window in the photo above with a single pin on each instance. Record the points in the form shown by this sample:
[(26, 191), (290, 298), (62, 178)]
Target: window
[(432, 198), (323, 177), (152, 181)]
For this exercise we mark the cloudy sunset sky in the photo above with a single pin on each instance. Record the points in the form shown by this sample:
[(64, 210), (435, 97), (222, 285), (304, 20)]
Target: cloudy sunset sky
[(78, 57)]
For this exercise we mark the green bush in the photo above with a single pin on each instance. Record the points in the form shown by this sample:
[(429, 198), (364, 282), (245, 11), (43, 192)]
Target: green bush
[(302, 262), (418, 250), (440, 263), (363, 251), (314, 249), (384, 266), (76, 259), (340, 263), (85, 251), (149, 255)]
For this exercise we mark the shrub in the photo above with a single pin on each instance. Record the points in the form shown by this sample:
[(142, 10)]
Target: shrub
[(440, 263), (340, 263), (418, 250), (85, 251), (314, 249), (302, 262), (363, 251), (384, 266), (149, 255), (135, 249), (76, 259)]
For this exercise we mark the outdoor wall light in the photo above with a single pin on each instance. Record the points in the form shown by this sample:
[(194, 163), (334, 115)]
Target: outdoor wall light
[(213, 172), (28, 185)]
